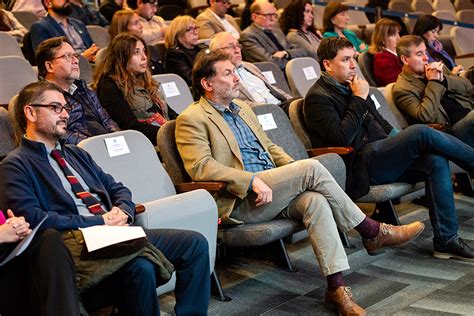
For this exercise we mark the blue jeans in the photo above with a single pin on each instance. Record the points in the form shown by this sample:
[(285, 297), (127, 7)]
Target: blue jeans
[(420, 153), (133, 288), (464, 129)]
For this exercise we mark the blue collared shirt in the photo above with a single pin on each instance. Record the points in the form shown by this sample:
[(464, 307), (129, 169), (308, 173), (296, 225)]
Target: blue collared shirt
[(254, 157)]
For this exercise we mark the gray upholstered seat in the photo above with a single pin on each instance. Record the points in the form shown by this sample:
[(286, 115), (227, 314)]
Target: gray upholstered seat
[(302, 73), (366, 64), (15, 73), (175, 90), (100, 36), (280, 81), (7, 142)]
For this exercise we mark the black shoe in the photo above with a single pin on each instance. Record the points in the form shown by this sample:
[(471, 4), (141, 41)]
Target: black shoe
[(456, 248)]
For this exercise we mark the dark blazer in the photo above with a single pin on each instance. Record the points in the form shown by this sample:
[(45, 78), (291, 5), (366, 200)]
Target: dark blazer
[(47, 27), (334, 119), (387, 67), (180, 61)]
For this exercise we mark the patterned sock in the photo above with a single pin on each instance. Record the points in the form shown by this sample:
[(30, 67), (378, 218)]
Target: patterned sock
[(368, 228), (334, 281)]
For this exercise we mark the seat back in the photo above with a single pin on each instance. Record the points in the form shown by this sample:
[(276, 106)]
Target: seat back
[(26, 18), (302, 73), (355, 16), (15, 73), (17, 132), (399, 6), (85, 69), (463, 5), (445, 5), (100, 36), (466, 16), (318, 13), (7, 141), (274, 75), (175, 90), (100, 56), (422, 6), (131, 158), (445, 15), (278, 128), (366, 64), (400, 120), (9, 46), (169, 11), (384, 108), (462, 40), (297, 121)]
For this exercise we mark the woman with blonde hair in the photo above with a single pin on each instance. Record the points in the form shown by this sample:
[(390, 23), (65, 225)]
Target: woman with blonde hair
[(126, 89), (181, 41), (387, 65)]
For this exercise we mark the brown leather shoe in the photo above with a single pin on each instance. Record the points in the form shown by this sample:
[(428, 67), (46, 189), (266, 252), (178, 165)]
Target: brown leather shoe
[(390, 236), (341, 299)]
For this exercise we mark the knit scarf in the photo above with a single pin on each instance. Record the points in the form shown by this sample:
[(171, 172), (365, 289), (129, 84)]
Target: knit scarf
[(344, 90)]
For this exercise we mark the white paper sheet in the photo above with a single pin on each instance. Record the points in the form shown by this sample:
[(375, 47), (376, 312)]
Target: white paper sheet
[(170, 89), (309, 73), (101, 236), (377, 104), (267, 121), (117, 146), (270, 77)]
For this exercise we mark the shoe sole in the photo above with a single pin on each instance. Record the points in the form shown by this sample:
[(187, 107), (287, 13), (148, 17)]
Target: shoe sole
[(444, 255), (382, 250)]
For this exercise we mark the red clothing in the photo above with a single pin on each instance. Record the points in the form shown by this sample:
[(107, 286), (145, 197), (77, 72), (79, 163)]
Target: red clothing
[(387, 67)]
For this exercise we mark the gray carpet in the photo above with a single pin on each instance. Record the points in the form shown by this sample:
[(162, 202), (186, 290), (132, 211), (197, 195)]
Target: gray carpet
[(402, 281)]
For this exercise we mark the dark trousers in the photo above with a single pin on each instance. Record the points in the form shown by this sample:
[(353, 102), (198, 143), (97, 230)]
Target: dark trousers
[(41, 281), (420, 153), (133, 288)]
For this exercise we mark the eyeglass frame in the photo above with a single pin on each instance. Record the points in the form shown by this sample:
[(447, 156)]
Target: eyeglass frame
[(267, 15), (55, 106), (192, 28), (68, 56), (233, 46)]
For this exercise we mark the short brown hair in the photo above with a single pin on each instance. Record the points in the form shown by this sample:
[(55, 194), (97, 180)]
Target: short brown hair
[(204, 67), (403, 46), (330, 46), (46, 51)]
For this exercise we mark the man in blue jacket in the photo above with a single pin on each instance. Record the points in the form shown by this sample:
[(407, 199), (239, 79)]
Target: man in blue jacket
[(57, 23), (45, 176)]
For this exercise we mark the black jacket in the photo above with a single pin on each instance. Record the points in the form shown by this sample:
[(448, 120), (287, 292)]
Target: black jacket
[(180, 61)]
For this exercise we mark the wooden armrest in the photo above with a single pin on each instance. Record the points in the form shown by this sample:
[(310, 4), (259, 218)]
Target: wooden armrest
[(210, 186), (139, 208), (439, 127), (329, 150)]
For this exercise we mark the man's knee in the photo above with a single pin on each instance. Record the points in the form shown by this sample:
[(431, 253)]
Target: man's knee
[(437, 163), (141, 268)]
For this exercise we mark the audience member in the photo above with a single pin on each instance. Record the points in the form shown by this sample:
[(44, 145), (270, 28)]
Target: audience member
[(58, 63), (33, 6), (387, 64), (7, 135), (220, 139), (425, 94), (154, 27), (428, 27), (57, 23), (109, 7), (297, 22), (215, 20), (45, 176), (41, 280), (254, 88), (383, 4), (335, 20), (339, 112), (181, 42), (245, 17), (262, 41), (86, 14), (126, 89), (10, 25)]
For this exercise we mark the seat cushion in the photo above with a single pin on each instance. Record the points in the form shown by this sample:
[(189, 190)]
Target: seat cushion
[(385, 192)]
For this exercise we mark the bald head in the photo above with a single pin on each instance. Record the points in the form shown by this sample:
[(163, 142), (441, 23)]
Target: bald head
[(224, 42), (264, 14)]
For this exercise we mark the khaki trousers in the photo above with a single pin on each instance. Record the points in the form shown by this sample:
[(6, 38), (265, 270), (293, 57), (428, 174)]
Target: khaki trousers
[(305, 190)]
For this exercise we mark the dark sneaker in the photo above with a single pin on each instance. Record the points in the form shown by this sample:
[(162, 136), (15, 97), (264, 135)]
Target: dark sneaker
[(456, 249)]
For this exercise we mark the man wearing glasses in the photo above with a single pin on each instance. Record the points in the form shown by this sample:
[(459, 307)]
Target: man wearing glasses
[(59, 64), (215, 20), (262, 41), (154, 27), (253, 85)]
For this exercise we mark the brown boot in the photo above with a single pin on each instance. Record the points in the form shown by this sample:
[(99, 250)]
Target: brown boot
[(390, 236), (341, 299)]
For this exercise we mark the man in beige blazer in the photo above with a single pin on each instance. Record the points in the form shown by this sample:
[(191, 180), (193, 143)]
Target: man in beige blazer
[(220, 139), (426, 94), (254, 87), (215, 20)]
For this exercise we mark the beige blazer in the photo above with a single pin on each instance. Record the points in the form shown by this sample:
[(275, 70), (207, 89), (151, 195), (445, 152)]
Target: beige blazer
[(210, 151), (209, 25)]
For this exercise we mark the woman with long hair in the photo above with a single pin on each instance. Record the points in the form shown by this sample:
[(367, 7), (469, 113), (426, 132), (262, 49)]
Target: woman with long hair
[(297, 22), (125, 21), (10, 25), (387, 64), (127, 90), (335, 21), (181, 42), (428, 27)]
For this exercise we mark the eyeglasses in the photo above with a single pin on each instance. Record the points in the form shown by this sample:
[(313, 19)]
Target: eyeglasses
[(193, 29), (232, 46), (268, 15), (55, 106), (68, 56)]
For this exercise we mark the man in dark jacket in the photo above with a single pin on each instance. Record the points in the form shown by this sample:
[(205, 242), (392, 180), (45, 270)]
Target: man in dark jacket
[(45, 176), (339, 112), (58, 63)]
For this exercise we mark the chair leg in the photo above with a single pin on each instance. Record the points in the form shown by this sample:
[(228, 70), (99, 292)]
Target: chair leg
[(462, 184), (216, 289), (385, 212), (345, 240), (280, 256)]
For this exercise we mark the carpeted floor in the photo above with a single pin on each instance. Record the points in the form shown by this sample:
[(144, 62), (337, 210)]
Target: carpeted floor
[(402, 281)]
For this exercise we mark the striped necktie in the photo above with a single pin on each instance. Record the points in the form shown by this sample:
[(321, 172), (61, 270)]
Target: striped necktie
[(89, 200)]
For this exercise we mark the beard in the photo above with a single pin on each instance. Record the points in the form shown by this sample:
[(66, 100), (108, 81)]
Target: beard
[(65, 10)]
